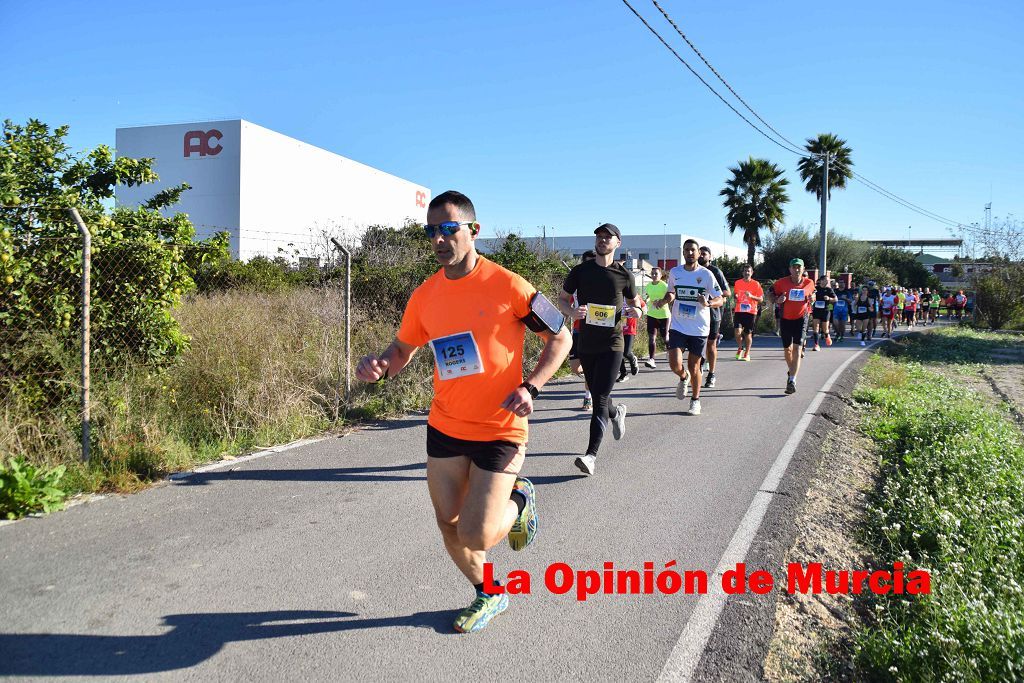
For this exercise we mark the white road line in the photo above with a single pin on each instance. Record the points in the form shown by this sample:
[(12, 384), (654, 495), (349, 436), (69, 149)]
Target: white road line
[(686, 654)]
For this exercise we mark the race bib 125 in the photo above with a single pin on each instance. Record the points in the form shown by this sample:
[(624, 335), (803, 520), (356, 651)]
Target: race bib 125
[(456, 356)]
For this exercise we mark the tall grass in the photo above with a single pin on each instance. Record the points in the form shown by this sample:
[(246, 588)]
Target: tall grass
[(950, 502), (262, 369)]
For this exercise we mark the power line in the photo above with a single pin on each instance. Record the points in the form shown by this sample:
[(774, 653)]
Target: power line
[(726, 84), (793, 147), (900, 200), (706, 84)]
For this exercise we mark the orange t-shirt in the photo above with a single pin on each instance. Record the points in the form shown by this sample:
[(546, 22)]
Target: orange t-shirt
[(744, 304), (473, 327), (799, 296)]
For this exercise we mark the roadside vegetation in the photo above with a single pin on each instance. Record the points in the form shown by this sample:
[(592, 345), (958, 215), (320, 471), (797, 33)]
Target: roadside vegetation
[(195, 356), (949, 501)]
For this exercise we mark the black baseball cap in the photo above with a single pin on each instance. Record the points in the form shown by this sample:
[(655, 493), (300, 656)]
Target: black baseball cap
[(609, 228)]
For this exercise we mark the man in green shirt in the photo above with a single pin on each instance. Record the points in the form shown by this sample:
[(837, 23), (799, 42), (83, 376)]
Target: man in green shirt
[(657, 312)]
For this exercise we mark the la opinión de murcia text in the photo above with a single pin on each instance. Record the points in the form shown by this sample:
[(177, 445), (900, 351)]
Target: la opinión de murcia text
[(562, 579)]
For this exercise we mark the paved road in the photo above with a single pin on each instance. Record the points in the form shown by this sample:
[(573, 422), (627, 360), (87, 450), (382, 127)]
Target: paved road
[(323, 562)]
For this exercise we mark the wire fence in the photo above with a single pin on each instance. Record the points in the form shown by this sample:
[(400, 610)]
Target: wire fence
[(122, 344), (145, 351)]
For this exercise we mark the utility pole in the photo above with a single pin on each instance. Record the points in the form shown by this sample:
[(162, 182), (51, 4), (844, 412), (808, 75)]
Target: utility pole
[(822, 266)]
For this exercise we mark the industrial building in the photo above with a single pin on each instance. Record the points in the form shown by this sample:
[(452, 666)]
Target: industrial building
[(274, 195)]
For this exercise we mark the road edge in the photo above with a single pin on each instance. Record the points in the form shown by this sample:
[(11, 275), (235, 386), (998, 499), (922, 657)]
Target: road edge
[(737, 647)]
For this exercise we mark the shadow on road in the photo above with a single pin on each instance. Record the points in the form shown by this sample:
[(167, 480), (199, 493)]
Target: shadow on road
[(414, 420), (781, 394), (331, 474), (544, 479), (193, 638)]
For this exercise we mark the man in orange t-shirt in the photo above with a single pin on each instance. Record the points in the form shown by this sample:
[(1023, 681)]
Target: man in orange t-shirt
[(473, 314), (796, 294), (749, 295)]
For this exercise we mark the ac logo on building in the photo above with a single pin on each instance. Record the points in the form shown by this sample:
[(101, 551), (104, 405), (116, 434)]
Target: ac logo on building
[(421, 199), (199, 141)]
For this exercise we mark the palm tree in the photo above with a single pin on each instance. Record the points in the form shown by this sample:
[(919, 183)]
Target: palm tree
[(839, 164), (754, 197)]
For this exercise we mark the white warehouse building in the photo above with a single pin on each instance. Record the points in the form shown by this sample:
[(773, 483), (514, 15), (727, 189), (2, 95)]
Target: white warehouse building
[(663, 250), (273, 194)]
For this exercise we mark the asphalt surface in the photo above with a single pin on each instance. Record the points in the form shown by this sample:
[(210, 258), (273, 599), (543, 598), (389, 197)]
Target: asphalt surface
[(323, 562)]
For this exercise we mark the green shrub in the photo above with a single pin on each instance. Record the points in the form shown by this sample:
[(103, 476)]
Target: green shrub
[(949, 502), (999, 297), (26, 488), (141, 267)]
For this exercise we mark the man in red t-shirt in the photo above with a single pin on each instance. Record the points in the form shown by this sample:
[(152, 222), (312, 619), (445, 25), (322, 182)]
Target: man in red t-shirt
[(748, 296), (796, 294)]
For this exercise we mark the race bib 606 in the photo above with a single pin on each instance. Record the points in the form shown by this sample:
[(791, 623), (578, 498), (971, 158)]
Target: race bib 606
[(819, 304), (456, 356), (600, 315)]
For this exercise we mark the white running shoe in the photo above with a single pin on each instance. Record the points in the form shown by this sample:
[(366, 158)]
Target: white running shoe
[(650, 363), (586, 464), (683, 389), (619, 421), (694, 407)]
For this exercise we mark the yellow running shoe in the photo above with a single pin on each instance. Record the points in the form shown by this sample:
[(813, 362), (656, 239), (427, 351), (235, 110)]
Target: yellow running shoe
[(524, 529), (479, 614)]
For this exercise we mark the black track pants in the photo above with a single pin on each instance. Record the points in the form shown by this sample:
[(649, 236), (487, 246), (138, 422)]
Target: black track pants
[(600, 371)]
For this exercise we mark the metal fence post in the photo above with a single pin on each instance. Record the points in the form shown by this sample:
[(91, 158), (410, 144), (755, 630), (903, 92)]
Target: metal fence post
[(348, 319), (86, 288)]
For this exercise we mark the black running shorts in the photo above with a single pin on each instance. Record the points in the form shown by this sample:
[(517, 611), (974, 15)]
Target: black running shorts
[(744, 320), (792, 331), (657, 324), (503, 457)]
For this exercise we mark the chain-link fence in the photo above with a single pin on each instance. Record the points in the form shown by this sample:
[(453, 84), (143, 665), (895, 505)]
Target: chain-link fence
[(191, 353), (40, 344)]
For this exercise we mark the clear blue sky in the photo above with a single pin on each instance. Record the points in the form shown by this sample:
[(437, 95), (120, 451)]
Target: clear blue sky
[(565, 113)]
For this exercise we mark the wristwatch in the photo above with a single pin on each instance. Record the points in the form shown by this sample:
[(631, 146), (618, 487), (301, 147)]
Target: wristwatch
[(534, 391)]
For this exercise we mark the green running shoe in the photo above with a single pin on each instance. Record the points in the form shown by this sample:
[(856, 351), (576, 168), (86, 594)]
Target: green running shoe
[(524, 529), (479, 614)]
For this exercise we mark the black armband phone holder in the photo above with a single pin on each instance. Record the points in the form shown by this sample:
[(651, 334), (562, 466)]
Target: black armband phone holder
[(544, 316)]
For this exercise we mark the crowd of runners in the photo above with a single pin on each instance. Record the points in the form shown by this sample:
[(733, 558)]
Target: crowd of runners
[(473, 315), (869, 311)]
